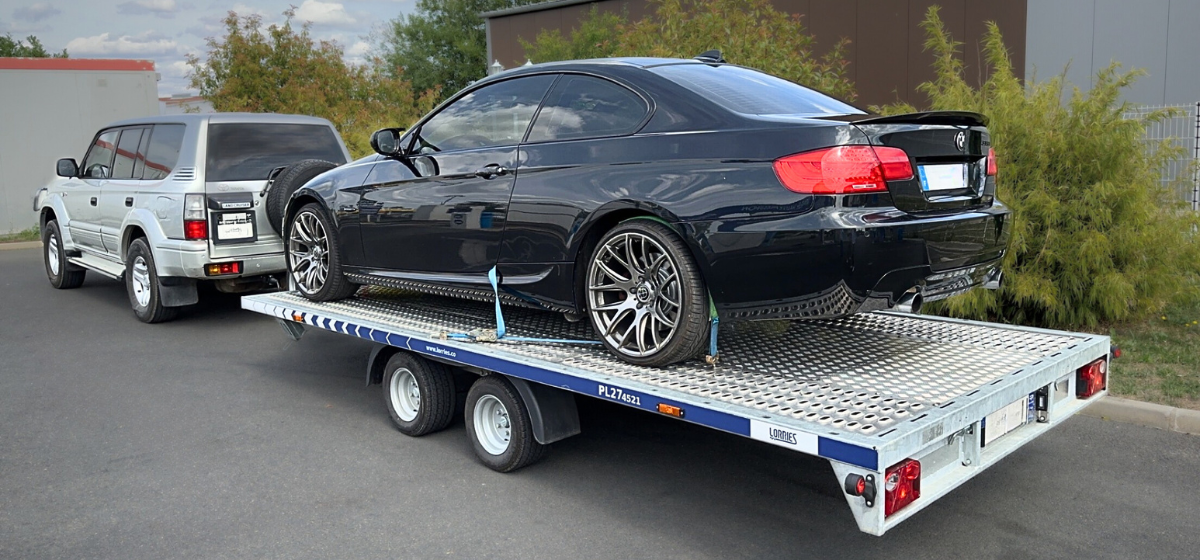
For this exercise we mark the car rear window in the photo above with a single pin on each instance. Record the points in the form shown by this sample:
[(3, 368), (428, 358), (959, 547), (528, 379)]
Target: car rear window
[(249, 151), (751, 92)]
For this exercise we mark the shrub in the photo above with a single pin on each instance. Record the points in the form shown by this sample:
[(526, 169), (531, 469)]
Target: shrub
[(1095, 237), (748, 32)]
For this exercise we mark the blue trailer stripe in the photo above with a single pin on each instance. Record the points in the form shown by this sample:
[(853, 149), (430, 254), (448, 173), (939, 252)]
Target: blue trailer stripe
[(847, 453)]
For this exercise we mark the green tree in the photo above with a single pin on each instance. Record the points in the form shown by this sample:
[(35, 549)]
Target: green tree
[(1095, 237), (442, 44), (748, 32), (31, 47), (281, 69)]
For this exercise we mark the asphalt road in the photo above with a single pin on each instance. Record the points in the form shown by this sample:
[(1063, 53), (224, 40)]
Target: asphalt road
[(216, 437)]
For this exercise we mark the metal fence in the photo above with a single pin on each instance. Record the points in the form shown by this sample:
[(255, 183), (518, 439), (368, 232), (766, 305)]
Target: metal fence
[(1182, 173)]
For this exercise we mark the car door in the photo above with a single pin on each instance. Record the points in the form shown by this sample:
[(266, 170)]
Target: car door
[(117, 194), (442, 208), (81, 195)]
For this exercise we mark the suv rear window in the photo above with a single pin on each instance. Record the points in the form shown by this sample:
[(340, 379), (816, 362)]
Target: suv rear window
[(751, 92), (249, 151)]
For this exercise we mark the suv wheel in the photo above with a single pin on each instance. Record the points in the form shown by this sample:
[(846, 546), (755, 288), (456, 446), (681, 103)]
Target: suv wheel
[(141, 281), (62, 274)]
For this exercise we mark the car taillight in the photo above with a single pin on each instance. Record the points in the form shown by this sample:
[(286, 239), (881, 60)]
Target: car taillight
[(991, 162), (195, 225), (902, 485), (843, 170), (1091, 379)]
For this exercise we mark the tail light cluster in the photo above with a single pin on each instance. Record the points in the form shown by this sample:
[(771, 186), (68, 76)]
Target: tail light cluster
[(843, 170), (901, 485), (195, 222), (1091, 379), (991, 162)]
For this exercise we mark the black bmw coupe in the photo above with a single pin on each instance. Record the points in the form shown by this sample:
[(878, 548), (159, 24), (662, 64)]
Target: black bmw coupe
[(647, 194)]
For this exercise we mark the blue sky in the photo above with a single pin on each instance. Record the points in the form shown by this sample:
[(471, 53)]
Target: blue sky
[(165, 31)]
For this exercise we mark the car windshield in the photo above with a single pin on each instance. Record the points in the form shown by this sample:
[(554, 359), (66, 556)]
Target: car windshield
[(249, 151), (751, 92)]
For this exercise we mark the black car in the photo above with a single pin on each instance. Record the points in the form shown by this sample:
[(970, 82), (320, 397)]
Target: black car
[(648, 194)]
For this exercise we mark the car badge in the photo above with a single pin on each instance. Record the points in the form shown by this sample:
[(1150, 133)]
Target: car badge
[(960, 141)]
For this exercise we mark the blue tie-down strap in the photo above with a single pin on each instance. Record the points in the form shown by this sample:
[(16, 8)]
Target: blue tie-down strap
[(713, 323), (498, 335)]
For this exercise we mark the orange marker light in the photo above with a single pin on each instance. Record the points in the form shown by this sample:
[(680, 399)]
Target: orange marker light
[(297, 317), (670, 410)]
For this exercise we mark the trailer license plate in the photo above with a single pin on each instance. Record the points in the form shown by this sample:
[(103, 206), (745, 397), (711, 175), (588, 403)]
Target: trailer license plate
[(1007, 419), (235, 225), (943, 177)]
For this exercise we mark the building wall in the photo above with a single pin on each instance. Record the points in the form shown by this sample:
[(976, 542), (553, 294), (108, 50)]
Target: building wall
[(886, 50), (1160, 36), (49, 114)]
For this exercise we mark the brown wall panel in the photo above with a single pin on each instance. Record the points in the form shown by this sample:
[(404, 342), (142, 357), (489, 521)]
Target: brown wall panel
[(886, 55)]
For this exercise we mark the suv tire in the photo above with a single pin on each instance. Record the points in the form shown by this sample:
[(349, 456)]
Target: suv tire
[(141, 282), (287, 182), (62, 274)]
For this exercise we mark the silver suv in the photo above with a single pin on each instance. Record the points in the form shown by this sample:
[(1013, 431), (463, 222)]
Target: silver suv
[(165, 202)]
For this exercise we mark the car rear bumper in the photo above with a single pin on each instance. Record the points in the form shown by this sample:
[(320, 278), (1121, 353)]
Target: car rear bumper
[(176, 257), (838, 261)]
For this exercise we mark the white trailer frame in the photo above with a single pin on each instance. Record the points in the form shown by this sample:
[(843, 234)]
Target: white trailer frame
[(864, 392)]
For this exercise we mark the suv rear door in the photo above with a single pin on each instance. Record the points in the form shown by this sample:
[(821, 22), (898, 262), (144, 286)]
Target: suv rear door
[(116, 195), (238, 159)]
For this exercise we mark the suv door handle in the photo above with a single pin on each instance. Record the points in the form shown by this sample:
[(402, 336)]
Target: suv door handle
[(129, 201), (491, 171), (93, 201)]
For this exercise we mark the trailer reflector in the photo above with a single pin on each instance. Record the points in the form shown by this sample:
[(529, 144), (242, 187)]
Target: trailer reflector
[(902, 485), (670, 410)]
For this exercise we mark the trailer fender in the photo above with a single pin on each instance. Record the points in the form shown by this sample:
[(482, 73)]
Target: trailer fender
[(380, 355), (552, 412)]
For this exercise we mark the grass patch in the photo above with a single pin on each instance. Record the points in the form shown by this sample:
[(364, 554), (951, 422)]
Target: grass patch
[(31, 234), (1160, 358)]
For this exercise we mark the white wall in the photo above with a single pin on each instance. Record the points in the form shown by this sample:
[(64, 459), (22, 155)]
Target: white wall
[(51, 114)]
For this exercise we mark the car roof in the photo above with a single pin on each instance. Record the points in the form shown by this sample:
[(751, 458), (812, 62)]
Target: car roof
[(599, 64), (190, 118)]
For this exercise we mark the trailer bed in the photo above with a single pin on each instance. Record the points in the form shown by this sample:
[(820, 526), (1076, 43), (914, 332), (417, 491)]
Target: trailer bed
[(865, 392)]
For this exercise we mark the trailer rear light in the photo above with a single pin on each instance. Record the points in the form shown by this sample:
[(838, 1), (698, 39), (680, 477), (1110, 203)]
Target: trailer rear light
[(859, 485), (843, 170), (1091, 379), (902, 485), (991, 162), (195, 224), (219, 269), (670, 410)]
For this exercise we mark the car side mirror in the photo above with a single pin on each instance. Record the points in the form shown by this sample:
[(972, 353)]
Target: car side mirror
[(67, 167), (386, 141)]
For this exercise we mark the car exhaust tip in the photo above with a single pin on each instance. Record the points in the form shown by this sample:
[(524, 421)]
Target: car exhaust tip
[(910, 302), (994, 279)]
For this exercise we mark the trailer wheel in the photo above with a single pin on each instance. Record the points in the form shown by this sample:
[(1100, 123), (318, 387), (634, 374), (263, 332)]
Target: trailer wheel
[(419, 394), (498, 422)]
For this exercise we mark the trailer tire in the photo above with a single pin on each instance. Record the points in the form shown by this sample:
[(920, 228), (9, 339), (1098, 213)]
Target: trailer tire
[(498, 423), (419, 394)]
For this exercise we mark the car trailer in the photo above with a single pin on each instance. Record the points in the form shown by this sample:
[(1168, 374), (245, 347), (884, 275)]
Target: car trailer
[(905, 407)]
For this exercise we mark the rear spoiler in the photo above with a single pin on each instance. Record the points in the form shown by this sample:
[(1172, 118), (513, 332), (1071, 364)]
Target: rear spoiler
[(954, 118)]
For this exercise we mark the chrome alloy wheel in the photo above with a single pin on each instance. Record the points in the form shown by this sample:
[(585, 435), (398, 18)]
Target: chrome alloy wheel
[(141, 281), (308, 253), (52, 256), (634, 294), (492, 426), (405, 395)]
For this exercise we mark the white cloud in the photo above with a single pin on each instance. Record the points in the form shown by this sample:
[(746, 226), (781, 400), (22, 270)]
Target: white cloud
[(146, 44), (326, 13), (35, 12), (161, 8)]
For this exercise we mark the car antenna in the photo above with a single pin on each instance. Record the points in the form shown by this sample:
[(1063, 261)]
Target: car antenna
[(711, 57)]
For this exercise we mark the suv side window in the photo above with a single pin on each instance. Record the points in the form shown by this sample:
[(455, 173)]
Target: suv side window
[(98, 163), (165, 142), (127, 151), (587, 107), (494, 115)]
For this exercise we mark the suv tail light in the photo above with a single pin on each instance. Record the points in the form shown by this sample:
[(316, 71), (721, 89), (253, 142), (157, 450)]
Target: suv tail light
[(902, 485), (991, 162), (195, 224), (843, 170), (1091, 379)]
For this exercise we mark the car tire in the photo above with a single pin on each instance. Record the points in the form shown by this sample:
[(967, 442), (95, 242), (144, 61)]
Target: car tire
[(286, 184), (642, 282), (419, 394), (141, 283), (314, 264), (499, 426), (62, 274)]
